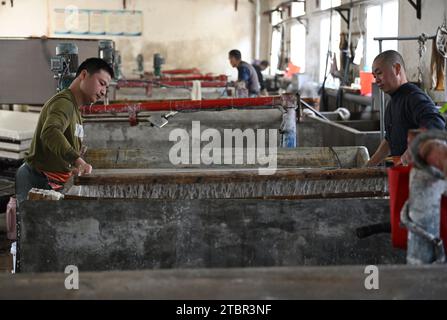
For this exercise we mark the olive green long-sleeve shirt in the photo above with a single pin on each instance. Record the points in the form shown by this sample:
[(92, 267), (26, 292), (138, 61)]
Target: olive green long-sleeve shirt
[(58, 137)]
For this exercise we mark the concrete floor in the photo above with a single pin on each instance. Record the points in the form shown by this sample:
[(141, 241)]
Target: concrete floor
[(348, 282)]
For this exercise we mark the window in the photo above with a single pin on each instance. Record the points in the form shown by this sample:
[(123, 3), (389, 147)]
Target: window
[(298, 37), (381, 21), (326, 4), (298, 45), (276, 18), (276, 43), (325, 27), (297, 9), (276, 47)]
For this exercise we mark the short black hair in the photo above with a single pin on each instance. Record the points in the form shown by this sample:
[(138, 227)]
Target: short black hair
[(94, 65), (264, 63), (391, 57), (235, 54)]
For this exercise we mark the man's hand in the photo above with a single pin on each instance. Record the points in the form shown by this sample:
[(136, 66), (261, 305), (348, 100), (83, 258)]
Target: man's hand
[(406, 158), (382, 151), (82, 167)]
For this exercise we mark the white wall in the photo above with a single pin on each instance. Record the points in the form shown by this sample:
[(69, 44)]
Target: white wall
[(16, 21), (433, 14), (188, 33)]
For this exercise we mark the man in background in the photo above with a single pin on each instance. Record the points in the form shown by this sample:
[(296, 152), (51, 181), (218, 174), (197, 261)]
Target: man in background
[(262, 66), (246, 72)]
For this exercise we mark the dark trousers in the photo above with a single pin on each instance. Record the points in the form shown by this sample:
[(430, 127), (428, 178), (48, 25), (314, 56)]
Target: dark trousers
[(27, 178)]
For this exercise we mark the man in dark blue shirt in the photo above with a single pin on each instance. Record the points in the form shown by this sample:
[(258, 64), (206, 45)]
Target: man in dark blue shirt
[(409, 108), (246, 72)]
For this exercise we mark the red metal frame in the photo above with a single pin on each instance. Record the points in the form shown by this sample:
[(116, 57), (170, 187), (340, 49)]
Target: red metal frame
[(170, 83), (183, 105), (203, 84), (182, 71), (192, 77)]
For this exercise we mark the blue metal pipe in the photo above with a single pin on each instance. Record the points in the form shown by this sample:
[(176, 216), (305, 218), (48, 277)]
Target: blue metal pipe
[(289, 129), (288, 125)]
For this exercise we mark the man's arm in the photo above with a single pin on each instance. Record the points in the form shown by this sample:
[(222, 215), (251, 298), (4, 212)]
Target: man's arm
[(381, 153), (425, 113), (59, 118), (52, 136)]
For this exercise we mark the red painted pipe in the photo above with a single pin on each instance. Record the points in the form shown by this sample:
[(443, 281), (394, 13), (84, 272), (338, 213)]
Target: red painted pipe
[(201, 77), (181, 71), (133, 83), (203, 84), (183, 105), (146, 83)]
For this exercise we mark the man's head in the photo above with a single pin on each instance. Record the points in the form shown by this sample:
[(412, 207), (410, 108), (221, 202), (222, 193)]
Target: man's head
[(235, 57), (264, 64), (93, 76), (389, 71)]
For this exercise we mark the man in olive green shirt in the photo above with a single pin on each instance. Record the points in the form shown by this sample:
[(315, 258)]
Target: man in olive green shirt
[(55, 152)]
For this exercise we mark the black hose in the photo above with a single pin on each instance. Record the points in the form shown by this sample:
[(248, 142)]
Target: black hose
[(366, 231)]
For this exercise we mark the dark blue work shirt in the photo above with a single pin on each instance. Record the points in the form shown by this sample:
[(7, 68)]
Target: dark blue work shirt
[(247, 73), (409, 108)]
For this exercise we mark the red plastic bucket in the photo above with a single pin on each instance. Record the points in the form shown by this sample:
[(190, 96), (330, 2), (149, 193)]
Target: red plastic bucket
[(366, 81), (398, 180)]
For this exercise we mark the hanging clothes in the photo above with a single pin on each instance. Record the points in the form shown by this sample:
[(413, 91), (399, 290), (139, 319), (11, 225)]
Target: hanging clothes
[(437, 69)]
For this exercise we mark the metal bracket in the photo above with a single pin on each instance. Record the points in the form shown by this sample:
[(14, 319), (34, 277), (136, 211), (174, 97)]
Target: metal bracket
[(304, 22), (345, 18), (160, 121), (418, 7)]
